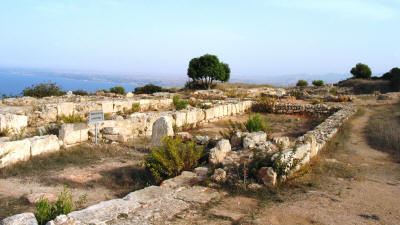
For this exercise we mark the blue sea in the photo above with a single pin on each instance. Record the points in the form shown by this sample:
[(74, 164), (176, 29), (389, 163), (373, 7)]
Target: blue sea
[(13, 84)]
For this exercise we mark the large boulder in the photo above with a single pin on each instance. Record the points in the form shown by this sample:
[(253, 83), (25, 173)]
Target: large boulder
[(13, 123), (72, 133), (44, 144), (253, 139), (20, 219), (218, 153), (14, 151), (161, 128)]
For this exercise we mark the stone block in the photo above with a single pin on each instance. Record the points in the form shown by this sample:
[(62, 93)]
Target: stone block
[(72, 133), (12, 122), (44, 144), (14, 151)]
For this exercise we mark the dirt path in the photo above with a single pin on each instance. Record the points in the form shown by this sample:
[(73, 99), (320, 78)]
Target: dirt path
[(363, 189)]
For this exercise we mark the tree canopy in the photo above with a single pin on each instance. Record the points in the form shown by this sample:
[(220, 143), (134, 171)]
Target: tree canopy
[(208, 68), (361, 71)]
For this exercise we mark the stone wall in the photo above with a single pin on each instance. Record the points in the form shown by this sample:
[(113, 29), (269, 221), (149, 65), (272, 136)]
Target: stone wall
[(13, 123), (295, 108), (21, 150)]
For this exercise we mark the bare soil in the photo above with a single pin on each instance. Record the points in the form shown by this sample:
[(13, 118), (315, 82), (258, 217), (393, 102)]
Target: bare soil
[(350, 183)]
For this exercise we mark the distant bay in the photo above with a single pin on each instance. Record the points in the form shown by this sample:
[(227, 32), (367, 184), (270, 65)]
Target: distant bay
[(13, 84)]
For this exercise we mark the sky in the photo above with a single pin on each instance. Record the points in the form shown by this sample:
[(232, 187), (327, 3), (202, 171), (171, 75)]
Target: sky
[(255, 37)]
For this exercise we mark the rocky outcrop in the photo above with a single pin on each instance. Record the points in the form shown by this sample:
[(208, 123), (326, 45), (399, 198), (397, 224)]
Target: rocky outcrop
[(20, 219)]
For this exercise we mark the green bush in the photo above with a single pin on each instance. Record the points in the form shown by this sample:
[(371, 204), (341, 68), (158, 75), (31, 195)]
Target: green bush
[(117, 90), (43, 90), (361, 71), (148, 89), (333, 91), (135, 108), (46, 211), (173, 157), (318, 83), (72, 118), (80, 92), (179, 104), (317, 101), (302, 83), (255, 124)]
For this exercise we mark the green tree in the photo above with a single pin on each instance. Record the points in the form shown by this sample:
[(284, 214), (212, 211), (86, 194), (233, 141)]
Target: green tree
[(117, 90), (302, 83), (318, 83), (43, 90), (208, 68), (361, 71), (394, 76)]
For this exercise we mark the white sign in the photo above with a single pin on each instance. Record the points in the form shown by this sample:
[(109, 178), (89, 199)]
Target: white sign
[(96, 116)]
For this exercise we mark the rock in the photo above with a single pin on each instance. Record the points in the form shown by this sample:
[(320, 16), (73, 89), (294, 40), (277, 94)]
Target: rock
[(161, 128), (218, 153), (253, 139), (129, 95), (237, 139), (268, 176), (202, 140), (282, 142), (65, 109), (184, 135), (254, 186), (69, 94), (20, 219), (266, 147), (44, 144), (219, 175), (64, 220), (185, 179), (13, 123), (34, 198), (14, 151), (201, 172), (72, 133), (110, 130)]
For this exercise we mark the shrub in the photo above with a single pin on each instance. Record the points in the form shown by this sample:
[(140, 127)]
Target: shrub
[(43, 90), (302, 83), (361, 71), (135, 108), (117, 90), (148, 89), (72, 118), (5, 132), (173, 157), (255, 124), (333, 91), (80, 92), (318, 83), (179, 104), (104, 90), (317, 101), (263, 105), (46, 211), (363, 86)]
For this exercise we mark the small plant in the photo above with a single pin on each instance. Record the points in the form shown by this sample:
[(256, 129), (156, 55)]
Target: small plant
[(5, 132), (117, 90), (333, 91), (318, 83), (302, 83), (43, 90), (80, 92), (179, 104), (255, 124), (18, 134), (317, 101), (175, 128), (173, 157), (46, 211), (194, 103), (72, 118)]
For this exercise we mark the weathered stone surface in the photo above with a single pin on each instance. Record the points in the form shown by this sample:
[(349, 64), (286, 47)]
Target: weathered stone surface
[(20, 219), (218, 153), (149, 194), (13, 123), (110, 130), (14, 151), (197, 194), (64, 220), (180, 118), (129, 95), (184, 135), (201, 172), (268, 176), (202, 140), (161, 128), (282, 142), (237, 139), (72, 133), (44, 144), (219, 176), (104, 211), (253, 139), (65, 108)]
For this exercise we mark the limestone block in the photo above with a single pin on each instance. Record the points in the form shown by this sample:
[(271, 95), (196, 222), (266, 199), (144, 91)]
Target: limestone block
[(161, 128), (72, 133), (65, 108), (44, 144), (20, 219), (13, 123), (283, 142), (180, 118), (210, 113), (14, 151), (191, 117), (218, 153), (107, 106)]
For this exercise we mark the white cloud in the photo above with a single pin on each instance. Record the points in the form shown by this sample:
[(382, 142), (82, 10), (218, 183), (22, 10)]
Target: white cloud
[(380, 10)]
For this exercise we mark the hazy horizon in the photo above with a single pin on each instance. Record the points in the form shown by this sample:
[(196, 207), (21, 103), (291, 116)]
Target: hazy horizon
[(257, 38)]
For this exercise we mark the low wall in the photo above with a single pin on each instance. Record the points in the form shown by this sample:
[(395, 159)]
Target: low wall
[(295, 108), (21, 150), (12, 122)]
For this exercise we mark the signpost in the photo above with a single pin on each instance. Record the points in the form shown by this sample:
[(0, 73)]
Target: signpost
[(96, 117)]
